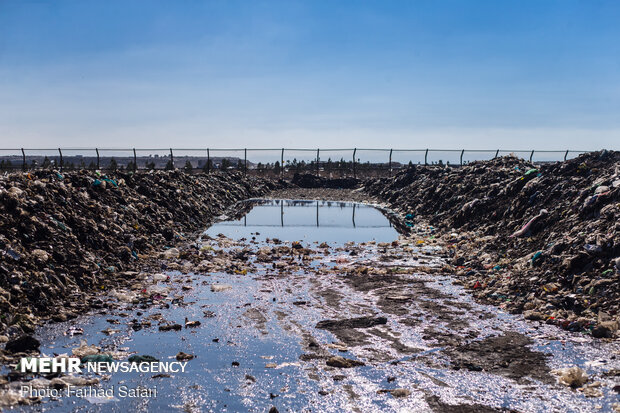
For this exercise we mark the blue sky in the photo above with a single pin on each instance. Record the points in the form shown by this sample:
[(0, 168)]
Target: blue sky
[(403, 74)]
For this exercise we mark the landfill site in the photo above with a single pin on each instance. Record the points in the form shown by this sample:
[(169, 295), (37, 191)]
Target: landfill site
[(489, 287)]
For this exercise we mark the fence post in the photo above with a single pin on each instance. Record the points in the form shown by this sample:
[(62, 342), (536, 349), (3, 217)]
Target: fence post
[(23, 160), (496, 154), (317, 161), (208, 161), (531, 155), (171, 159), (390, 162), (60, 163), (565, 155), (354, 172), (135, 160), (426, 158), (97, 150), (462, 152), (245, 161), (282, 163)]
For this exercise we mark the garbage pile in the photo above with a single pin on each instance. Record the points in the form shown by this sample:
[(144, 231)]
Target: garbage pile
[(64, 235), (539, 240), (314, 181)]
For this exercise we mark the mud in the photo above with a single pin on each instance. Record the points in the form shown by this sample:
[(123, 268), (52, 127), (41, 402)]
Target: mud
[(507, 355), (358, 322), (436, 405)]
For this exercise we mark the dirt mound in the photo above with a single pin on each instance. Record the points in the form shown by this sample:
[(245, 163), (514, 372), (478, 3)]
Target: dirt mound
[(62, 235), (544, 240)]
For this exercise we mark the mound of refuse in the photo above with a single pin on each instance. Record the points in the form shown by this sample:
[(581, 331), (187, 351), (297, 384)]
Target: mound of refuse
[(314, 181), (63, 235), (543, 240)]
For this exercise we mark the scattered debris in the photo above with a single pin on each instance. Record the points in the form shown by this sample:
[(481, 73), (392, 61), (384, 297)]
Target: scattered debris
[(400, 392), (216, 288), (170, 327), (85, 350), (181, 356), (571, 376), (341, 362), (191, 324)]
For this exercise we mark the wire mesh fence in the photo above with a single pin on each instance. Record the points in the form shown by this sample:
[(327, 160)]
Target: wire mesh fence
[(276, 162)]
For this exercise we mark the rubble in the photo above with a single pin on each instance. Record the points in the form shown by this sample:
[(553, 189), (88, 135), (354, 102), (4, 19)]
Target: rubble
[(544, 239)]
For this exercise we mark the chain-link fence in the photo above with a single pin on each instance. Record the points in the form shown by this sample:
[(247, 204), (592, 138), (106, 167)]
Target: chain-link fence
[(275, 162)]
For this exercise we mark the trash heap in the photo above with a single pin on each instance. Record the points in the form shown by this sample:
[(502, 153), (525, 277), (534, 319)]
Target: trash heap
[(65, 235), (314, 181), (543, 240)]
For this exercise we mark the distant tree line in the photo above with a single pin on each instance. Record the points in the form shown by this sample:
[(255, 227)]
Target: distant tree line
[(221, 164)]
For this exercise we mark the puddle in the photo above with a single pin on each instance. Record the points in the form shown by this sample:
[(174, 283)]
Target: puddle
[(308, 221), (258, 344)]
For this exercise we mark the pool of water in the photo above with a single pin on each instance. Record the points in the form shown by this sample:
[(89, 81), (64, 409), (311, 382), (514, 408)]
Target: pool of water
[(309, 221)]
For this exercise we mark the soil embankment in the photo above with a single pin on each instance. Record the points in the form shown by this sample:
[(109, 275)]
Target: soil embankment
[(63, 236), (542, 240)]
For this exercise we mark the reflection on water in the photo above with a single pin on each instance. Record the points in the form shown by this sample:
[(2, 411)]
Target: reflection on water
[(309, 221)]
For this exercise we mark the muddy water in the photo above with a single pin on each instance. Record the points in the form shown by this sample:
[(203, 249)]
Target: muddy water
[(269, 337)]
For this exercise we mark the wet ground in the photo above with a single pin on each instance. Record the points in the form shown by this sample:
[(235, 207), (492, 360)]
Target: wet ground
[(317, 306)]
